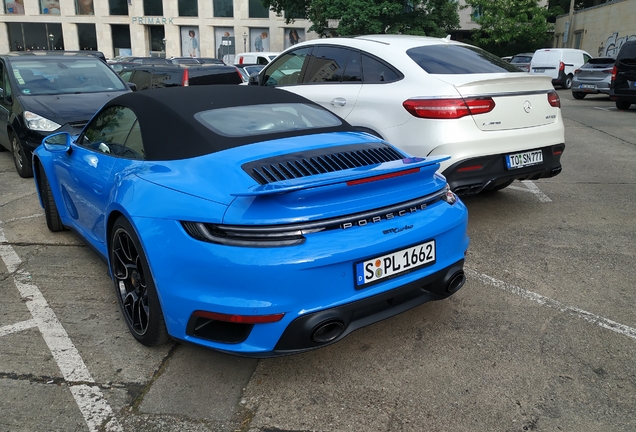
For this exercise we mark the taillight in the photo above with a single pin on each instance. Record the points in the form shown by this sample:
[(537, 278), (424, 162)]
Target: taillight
[(614, 73), (239, 73), (607, 71), (185, 81), (553, 99), (448, 108), (241, 60), (578, 71), (561, 66)]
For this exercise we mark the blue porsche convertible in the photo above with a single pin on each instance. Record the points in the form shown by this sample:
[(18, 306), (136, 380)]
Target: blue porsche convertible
[(251, 220)]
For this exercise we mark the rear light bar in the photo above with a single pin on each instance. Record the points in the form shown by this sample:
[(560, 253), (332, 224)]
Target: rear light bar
[(448, 108), (382, 177), (614, 73), (240, 319), (553, 99)]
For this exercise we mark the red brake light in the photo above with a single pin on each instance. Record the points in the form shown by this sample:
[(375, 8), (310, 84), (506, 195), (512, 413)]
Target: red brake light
[(241, 60), (578, 71), (614, 73), (553, 99), (561, 66), (448, 108), (240, 319), (607, 71), (185, 81), (382, 177)]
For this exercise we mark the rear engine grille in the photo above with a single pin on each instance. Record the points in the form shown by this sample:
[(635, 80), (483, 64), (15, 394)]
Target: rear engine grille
[(305, 164)]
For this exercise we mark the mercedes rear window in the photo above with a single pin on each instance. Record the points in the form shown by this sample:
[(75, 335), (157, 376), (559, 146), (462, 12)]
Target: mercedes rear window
[(458, 59)]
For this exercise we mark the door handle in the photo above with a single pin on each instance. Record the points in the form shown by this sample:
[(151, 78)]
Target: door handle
[(339, 101)]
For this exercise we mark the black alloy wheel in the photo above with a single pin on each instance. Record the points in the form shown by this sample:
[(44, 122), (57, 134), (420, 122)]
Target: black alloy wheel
[(20, 159), (53, 220), (134, 286)]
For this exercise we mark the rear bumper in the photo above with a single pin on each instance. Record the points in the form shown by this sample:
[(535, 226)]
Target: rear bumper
[(623, 96), (336, 323), (465, 178)]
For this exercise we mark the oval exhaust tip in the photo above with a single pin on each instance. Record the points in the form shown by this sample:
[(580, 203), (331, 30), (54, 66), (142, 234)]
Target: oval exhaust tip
[(327, 332), (456, 282)]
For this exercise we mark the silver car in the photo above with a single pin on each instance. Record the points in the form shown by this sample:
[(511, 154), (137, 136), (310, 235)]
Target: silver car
[(593, 77)]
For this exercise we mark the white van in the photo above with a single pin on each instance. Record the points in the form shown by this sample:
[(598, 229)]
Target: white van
[(558, 63), (251, 58)]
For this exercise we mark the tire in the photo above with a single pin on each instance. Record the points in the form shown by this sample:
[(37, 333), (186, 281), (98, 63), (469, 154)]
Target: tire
[(20, 159), (578, 95), (623, 105), (53, 220), (567, 84), (134, 286), (501, 186)]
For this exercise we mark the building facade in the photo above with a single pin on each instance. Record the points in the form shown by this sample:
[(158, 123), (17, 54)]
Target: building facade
[(600, 30), (181, 28)]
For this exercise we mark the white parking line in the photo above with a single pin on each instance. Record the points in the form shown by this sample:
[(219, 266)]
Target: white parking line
[(21, 218), (579, 313), (531, 187), (14, 328), (89, 398)]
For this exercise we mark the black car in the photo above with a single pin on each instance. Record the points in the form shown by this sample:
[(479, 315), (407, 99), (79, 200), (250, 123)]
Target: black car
[(146, 77), (623, 85), (49, 91)]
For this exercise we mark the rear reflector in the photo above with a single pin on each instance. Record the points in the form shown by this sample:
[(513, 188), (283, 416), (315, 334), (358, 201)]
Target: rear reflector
[(382, 177), (469, 168), (240, 319), (553, 99), (448, 108)]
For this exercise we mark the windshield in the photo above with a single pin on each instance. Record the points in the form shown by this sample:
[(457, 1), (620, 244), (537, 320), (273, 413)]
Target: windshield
[(65, 76)]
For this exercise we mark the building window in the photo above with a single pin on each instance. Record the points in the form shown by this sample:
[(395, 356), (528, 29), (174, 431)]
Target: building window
[(294, 15), (14, 7), (190, 42), (50, 7), (84, 7), (118, 7), (223, 8), (121, 39), (35, 36), (188, 8), (257, 10), (577, 39), (87, 37), (157, 40), (259, 39), (153, 7), (476, 13)]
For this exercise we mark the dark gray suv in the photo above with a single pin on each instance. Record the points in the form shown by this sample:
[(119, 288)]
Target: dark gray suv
[(623, 85)]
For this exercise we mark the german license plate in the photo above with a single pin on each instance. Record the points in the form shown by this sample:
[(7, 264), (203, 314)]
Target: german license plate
[(587, 86), (394, 263), (539, 70), (520, 160)]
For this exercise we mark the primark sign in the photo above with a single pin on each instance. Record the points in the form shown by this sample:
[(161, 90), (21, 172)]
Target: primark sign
[(152, 20)]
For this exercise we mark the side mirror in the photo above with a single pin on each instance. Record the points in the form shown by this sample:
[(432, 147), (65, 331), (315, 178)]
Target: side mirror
[(253, 79), (58, 142), (132, 86)]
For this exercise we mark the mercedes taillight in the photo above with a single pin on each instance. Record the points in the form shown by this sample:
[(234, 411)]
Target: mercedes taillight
[(448, 108), (553, 99)]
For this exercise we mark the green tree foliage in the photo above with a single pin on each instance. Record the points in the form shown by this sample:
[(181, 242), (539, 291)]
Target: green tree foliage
[(418, 17), (508, 27)]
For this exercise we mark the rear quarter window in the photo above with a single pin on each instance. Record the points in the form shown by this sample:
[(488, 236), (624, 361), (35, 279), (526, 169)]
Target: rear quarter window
[(458, 59), (627, 54)]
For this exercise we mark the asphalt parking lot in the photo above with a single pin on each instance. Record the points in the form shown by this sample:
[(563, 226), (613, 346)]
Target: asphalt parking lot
[(541, 338)]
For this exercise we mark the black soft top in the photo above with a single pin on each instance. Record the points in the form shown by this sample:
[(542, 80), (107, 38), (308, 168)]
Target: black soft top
[(170, 130)]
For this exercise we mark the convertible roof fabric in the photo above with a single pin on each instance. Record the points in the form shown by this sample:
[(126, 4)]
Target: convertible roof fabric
[(170, 131)]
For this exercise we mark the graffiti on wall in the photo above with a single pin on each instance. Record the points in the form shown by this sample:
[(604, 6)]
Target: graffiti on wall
[(613, 44)]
